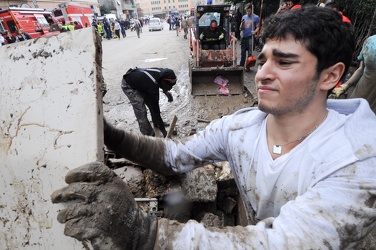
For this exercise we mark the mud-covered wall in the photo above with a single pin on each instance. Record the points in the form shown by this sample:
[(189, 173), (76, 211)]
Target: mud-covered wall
[(50, 122)]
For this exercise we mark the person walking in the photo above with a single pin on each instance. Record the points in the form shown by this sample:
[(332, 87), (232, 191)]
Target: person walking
[(177, 25), (304, 165), (123, 28), (141, 86), (117, 29), (107, 29), (137, 27), (184, 26)]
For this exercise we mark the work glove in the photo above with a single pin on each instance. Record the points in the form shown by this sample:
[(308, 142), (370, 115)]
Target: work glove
[(100, 209), (339, 90), (202, 36), (169, 96), (221, 37)]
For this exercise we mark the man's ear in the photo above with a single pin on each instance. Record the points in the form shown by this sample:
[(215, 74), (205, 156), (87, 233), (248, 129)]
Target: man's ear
[(331, 76)]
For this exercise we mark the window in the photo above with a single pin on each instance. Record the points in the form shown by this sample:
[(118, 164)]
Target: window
[(208, 17), (12, 26)]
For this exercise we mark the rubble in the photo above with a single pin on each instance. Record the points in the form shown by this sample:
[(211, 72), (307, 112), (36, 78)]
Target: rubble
[(208, 194)]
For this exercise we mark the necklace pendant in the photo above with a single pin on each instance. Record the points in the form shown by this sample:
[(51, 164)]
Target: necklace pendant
[(277, 149)]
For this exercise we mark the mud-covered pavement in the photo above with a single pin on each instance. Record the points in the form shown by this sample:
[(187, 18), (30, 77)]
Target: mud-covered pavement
[(163, 49)]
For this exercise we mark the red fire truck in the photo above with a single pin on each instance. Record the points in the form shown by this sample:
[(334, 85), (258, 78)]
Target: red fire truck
[(34, 21), (74, 12)]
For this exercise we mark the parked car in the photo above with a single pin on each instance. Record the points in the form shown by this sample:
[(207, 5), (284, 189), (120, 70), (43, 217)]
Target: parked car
[(155, 24)]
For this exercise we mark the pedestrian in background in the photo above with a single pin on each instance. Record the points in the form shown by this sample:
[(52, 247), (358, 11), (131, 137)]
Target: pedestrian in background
[(22, 36), (184, 26), (77, 25), (137, 27), (10, 38), (117, 29), (177, 25), (2, 40), (107, 28), (249, 26), (123, 28)]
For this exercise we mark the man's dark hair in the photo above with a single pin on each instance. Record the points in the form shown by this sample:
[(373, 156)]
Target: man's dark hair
[(321, 30), (334, 5)]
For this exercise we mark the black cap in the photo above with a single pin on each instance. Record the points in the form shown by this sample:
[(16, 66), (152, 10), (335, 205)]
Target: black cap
[(168, 73)]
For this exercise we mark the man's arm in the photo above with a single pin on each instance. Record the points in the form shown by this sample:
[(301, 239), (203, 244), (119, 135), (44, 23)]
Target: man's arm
[(336, 213), (145, 150)]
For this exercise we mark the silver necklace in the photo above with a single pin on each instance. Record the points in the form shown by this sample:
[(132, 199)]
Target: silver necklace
[(277, 148)]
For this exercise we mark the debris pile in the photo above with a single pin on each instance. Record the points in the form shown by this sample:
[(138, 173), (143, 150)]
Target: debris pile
[(208, 194)]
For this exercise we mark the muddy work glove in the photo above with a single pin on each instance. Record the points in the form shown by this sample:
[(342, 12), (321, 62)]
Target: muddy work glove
[(100, 209), (221, 37), (202, 36), (169, 96)]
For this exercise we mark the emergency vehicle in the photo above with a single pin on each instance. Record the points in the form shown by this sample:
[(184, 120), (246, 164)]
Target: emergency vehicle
[(74, 12), (34, 21)]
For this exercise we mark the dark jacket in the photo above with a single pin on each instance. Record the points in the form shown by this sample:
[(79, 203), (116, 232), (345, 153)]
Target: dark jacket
[(10, 39), (149, 89), (210, 34)]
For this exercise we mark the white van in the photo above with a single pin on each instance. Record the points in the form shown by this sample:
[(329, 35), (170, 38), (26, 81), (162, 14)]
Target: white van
[(155, 24)]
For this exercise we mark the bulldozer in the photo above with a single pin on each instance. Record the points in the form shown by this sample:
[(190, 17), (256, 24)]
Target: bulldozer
[(208, 65)]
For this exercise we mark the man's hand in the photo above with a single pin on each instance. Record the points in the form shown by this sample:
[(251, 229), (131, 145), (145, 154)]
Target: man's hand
[(100, 208), (169, 96), (221, 37), (339, 90)]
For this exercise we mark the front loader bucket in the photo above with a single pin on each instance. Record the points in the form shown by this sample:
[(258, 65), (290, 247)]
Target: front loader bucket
[(202, 80)]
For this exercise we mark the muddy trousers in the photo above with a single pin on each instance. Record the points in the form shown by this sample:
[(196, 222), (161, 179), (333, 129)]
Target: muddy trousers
[(139, 108), (246, 45)]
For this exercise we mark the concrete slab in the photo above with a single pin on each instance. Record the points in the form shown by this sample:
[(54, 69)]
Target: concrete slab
[(50, 122)]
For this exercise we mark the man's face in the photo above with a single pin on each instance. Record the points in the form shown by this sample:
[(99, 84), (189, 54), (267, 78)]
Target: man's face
[(286, 79), (249, 11)]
